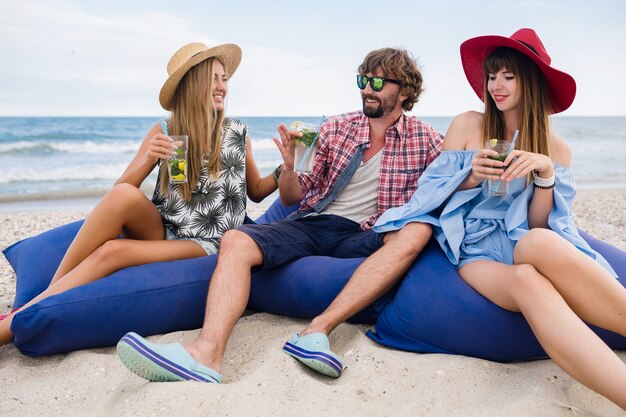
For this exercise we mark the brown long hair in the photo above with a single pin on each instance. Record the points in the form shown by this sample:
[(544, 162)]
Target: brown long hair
[(194, 115), (399, 64), (534, 104)]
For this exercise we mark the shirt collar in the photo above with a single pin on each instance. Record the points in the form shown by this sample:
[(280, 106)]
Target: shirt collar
[(363, 128)]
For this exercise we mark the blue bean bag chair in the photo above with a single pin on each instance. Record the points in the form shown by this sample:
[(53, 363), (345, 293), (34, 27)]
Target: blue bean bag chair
[(432, 310), (435, 311), (155, 298)]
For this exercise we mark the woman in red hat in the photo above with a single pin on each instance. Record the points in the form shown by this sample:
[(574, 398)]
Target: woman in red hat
[(183, 219), (521, 250)]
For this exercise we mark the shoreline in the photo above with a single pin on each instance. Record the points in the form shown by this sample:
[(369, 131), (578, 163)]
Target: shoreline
[(85, 204), (86, 201), (48, 205), (74, 203)]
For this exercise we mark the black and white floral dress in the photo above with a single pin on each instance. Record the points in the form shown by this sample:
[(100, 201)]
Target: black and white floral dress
[(219, 201)]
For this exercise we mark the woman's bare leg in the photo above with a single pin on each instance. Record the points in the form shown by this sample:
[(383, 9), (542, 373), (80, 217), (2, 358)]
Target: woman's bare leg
[(589, 290), (562, 334), (124, 209), (108, 258), (96, 252)]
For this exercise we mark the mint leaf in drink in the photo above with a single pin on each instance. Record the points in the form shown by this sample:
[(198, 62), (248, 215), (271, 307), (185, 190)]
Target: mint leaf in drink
[(499, 157), (309, 137), (174, 169)]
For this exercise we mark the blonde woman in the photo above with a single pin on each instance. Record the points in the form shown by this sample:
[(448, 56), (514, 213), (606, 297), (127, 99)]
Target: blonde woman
[(183, 220), (522, 250)]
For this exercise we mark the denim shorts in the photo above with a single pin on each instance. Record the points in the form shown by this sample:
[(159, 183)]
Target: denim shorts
[(209, 247), (320, 235)]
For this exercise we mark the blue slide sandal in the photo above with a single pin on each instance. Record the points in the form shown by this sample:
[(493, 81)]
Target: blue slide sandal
[(160, 363), (313, 350)]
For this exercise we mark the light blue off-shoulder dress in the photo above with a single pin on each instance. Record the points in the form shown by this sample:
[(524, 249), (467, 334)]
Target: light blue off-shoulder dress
[(471, 225)]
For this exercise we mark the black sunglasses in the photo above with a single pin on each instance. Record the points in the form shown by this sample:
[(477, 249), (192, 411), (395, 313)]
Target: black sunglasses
[(376, 83)]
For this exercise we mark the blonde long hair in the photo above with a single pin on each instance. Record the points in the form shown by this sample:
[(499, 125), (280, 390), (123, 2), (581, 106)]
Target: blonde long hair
[(535, 104), (193, 114)]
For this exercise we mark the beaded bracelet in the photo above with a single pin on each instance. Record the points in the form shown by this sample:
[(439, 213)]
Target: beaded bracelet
[(543, 183), (276, 173)]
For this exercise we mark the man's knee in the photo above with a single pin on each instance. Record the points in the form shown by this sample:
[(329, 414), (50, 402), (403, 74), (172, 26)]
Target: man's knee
[(239, 244)]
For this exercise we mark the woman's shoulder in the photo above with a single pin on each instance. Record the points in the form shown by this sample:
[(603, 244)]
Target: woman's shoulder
[(561, 151), (468, 121), (470, 117), (465, 129)]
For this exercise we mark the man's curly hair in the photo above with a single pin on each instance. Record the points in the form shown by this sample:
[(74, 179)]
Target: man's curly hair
[(396, 64)]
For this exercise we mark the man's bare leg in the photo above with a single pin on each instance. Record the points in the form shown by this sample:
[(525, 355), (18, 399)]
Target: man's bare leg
[(227, 299), (375, 276)]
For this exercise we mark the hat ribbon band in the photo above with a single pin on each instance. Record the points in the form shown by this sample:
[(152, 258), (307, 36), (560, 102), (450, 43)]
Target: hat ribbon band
[(529, 47)]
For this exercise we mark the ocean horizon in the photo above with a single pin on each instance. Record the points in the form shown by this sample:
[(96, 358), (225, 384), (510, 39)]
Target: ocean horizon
[(57, 158)]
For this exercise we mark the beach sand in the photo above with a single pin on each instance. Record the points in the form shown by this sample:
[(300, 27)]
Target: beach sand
[(262, 381)]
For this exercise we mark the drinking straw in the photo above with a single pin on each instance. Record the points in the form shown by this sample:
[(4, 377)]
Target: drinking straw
[(496, 185), (512, 145)]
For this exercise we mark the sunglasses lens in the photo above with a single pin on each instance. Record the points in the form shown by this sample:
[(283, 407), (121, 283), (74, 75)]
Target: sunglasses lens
[(361, 81), (376, 83)]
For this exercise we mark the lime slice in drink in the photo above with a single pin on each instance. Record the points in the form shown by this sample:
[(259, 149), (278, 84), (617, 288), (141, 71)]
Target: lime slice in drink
[(295, 125), (493, 142)]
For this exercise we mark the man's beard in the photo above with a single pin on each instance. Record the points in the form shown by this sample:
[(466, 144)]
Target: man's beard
[(373, 114), (384, 108)]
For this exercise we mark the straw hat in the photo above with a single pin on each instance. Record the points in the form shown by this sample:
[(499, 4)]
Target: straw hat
[(561, 86), (186, 57)]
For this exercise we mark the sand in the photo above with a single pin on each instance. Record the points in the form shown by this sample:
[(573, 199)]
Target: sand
[(262, 381)]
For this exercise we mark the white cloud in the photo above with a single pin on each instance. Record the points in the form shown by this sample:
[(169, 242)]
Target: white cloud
[(71, 52), (62, 57)]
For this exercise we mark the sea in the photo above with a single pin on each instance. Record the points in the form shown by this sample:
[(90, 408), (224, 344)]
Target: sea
[(58, 158)]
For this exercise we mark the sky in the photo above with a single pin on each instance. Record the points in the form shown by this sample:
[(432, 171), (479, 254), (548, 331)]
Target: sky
[(108, 58)]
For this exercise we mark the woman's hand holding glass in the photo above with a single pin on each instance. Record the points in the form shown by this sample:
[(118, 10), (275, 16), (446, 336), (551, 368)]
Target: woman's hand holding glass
[(160, 146), (521, 163), (484, 168), (517, 164)]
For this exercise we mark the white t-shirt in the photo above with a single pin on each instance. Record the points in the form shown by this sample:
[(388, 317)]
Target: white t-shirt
[(359, 200)]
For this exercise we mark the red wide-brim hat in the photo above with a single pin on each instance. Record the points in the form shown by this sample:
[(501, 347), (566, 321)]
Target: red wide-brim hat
[(562, 87)]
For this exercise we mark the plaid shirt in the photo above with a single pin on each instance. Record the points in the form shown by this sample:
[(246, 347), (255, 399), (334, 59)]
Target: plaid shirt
[(410, 145)]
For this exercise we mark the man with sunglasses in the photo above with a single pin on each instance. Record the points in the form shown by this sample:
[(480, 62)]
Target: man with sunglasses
[(368, 161)]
